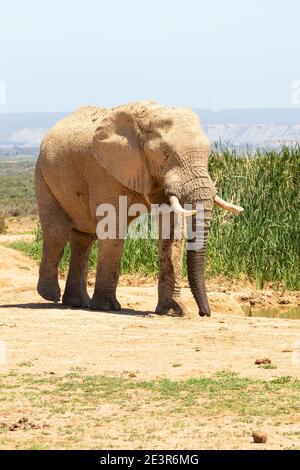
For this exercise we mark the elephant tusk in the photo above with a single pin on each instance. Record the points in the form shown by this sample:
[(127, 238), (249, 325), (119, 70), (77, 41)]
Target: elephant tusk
[(227, 205), (176, 206)]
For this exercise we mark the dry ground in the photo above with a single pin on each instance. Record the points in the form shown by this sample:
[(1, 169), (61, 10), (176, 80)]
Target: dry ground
[(18, 228), (82, 379)]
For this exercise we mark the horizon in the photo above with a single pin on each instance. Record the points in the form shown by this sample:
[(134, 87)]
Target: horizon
[(264, 127), (196, 109), (279, 108)]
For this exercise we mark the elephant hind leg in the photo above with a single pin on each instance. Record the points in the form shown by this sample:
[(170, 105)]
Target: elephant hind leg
[(55, 227), (104, 298), (75, 294)]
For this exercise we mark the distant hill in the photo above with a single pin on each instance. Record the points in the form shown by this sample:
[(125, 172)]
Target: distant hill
[(23, 132), (252, 127), (271, 116), (11, 123)]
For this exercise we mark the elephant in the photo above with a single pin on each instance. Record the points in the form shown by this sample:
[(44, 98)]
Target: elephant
[(150, 153)]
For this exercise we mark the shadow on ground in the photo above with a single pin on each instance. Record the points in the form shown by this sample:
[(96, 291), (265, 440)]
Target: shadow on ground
[(53, 306)]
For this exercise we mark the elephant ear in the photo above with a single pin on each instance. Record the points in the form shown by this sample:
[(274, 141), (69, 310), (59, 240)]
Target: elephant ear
[(116, 146)]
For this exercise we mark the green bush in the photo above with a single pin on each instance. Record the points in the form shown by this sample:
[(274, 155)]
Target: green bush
[(17, 194), (2, 224)]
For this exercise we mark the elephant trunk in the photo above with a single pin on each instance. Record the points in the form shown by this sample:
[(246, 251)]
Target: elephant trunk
[(197, 235), (194, 186), (198, 229)]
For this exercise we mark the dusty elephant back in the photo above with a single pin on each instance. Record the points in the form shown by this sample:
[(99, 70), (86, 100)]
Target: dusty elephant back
[(64, 159), (75, 131)]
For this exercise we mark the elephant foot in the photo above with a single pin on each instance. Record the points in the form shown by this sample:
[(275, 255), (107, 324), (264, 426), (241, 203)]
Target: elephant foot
[(105, 303), (76, 299), (204, 313), (49, 289), (171, 307)]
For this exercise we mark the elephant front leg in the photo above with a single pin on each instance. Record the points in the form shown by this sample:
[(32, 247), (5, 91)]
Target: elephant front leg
[(169, 285), (104, 298)]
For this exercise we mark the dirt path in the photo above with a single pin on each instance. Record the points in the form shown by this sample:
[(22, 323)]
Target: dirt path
[(19, 229), (44, 338), (136, 340)]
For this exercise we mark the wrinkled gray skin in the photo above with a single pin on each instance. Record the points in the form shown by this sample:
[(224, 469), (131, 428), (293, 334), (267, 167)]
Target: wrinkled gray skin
[(142, 150)]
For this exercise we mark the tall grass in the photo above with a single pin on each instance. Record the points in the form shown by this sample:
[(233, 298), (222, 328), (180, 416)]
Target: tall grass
[(261, 244)]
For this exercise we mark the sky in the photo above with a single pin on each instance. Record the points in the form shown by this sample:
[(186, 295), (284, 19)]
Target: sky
[(57, 55)]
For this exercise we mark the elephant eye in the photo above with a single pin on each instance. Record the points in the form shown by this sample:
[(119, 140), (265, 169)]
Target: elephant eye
[(165, 151), (166, 154)]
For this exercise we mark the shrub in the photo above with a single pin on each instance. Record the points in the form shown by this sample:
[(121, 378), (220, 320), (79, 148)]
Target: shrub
[(2, 224)]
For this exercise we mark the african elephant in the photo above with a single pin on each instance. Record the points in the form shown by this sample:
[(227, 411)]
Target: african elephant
[(151, 154)]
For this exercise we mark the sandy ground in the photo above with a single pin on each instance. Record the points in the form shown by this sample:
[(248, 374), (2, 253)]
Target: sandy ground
[(137, 343), (18, 228), (56, 338), (20, 225)]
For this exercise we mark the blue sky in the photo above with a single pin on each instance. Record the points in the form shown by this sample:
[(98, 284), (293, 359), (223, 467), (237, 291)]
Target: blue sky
[(60, 54)]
